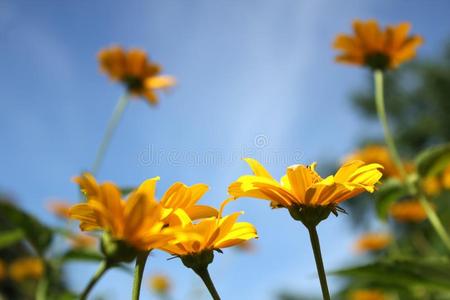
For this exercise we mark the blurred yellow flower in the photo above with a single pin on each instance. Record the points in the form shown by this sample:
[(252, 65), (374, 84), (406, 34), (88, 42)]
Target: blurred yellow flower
[(446, 178), (3, 270), (138, 221), (160, 284), (376, 48), (26, 268), (302, 186), (134, 69), (367, 295), (376, 154), (373, 242), (431, 185), (78, 241), (212, 233), (59, 208), (408, 211)]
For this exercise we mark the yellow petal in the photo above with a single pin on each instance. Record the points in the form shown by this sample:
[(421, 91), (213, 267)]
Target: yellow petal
[(159, 82), (201, 211), (257, 168)]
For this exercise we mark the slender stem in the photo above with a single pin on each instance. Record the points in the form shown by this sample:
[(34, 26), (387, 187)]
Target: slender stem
[(204, 275), (381, 111), (104, 266), (435, 221), (138, 272), (319, 262), (41, 291), (112, 125)]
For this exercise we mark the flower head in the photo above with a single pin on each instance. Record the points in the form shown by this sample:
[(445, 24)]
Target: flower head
[(160, 284), (141, 221), (376, 154), (377, 48), (138, 221), (59, 208), (209, 234), (367, 294), (373, 242), (408, 211), (78, 241), (26, 268), (302, 188), (133, 68)]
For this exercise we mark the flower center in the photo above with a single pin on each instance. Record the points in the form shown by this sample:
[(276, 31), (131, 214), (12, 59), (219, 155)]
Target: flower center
[(377, 61), (134, 84)]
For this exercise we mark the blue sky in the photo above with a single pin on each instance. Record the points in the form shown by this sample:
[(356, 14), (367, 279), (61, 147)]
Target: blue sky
[(255, 78)]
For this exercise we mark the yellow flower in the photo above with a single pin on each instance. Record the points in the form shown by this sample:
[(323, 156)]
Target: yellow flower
[(59, 208), (376, 154), (3, 271), (160, 284), (26, 268), (141, 220), (302, 187), (138, 221), (212, 233), (431, 185), (133, 68), (373, 242), (408, 211), (82, 241), (367, 295), (446, 178), (376, 48)]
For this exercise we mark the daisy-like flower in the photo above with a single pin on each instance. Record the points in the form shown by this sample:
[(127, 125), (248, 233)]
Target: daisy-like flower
[(410, 211), (140, 221), (59, 208), (133, 68), (26, 268), (160, 284), (81, 241), (373, 242), (367, 294), (309, 197), (376, 154), (209, 235), (377, 48)]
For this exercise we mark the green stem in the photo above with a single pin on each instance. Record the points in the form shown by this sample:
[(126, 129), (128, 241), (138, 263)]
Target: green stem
[(138, 272), (41, 291), (319, 262), (104, 266), (204, 275), (112, 125), (381, 111)]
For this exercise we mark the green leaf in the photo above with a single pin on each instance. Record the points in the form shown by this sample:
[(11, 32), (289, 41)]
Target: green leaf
[(432, 274), (37, 234), (389, 192), (433, 160), (10, 237)]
